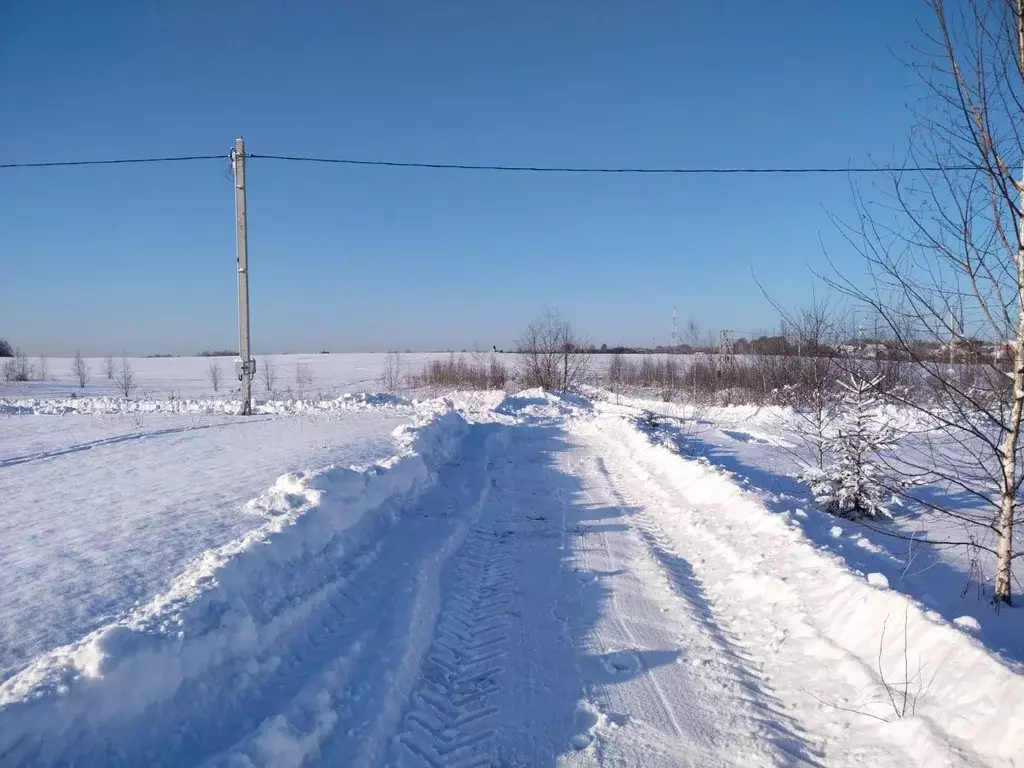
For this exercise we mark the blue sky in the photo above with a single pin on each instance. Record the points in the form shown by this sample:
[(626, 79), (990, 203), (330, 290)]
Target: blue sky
[(142, 258)]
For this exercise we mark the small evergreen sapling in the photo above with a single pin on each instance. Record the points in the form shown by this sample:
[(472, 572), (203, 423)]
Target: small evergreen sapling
[(852, 482)]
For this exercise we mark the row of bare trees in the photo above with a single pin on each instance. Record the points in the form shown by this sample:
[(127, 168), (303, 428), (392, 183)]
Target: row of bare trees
[(456, 372), (122, 375), (550, 355), (269, 374)]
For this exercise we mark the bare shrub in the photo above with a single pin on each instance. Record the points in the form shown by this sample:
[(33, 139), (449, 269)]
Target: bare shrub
[(619, 374), (551, 355), (125, 379), (903, 693), (80, 369), (109, 368), (497, 373), (268, 374), (460, 373), (213, 374), (391, 376), (902, 699), (42, 368), (18, 368), (303, 378)]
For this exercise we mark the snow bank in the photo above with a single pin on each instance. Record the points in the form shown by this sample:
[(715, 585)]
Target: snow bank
[(231, 601), (476, 403), (541, 403), (829, 617), (93, 405)]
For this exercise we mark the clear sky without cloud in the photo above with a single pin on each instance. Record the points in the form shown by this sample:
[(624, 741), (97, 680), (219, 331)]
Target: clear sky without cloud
[(141, 258)]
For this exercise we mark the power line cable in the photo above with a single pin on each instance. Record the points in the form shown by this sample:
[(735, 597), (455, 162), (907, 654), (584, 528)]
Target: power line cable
[(566, 169), (511, 168), (119, 161)]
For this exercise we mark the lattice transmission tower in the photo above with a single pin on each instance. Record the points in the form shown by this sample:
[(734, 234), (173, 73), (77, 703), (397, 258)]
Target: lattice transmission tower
[(726, 356)]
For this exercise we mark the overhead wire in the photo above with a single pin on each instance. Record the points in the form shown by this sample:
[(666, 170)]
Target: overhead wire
[(117, 161), (508, 168), (584, 169)]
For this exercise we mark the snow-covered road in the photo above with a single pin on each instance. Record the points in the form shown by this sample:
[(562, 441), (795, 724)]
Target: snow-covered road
[(557, 594)]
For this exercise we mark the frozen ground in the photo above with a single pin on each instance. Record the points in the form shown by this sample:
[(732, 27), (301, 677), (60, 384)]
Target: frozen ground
[(529, 581)]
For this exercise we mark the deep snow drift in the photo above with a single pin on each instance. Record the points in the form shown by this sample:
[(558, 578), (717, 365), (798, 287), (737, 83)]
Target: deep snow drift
[(531, 580)]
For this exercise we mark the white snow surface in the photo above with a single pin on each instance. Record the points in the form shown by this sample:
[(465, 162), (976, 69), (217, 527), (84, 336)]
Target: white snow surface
[(532, 580), (100, 512)]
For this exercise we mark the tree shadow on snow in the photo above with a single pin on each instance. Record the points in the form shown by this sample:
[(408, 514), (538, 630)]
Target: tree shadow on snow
[(916, 570)]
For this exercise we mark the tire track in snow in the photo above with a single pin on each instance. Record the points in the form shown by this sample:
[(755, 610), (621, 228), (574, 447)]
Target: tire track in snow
[(617, 612), (734, 675), (501, 684), (450, 717), (394, 669), (424, 623), (450, 722), (679, 574), (778, 725), (14, 461), (332, 639)]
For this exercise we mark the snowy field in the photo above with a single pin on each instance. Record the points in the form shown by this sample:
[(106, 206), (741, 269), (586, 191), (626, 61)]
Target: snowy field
[(158, 378), (100, 512), (523, 580)]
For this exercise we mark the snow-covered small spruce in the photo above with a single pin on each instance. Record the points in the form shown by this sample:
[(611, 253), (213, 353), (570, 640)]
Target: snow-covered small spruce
[(852, 481)]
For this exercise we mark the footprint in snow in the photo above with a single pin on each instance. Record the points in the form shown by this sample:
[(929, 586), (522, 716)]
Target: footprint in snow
[(618, 662), (590, 721), (587, 717)]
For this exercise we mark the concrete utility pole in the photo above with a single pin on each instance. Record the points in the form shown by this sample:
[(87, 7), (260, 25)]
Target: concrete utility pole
[(245, 366)]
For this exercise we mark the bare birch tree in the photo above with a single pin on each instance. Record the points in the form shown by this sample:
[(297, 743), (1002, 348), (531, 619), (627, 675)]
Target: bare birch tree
[(268, 374), (80, 369), (109, 368), (808, 381), (303, 378), (391, 374), (125, 378), (947, 266), (213, 374), (617, 374)]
